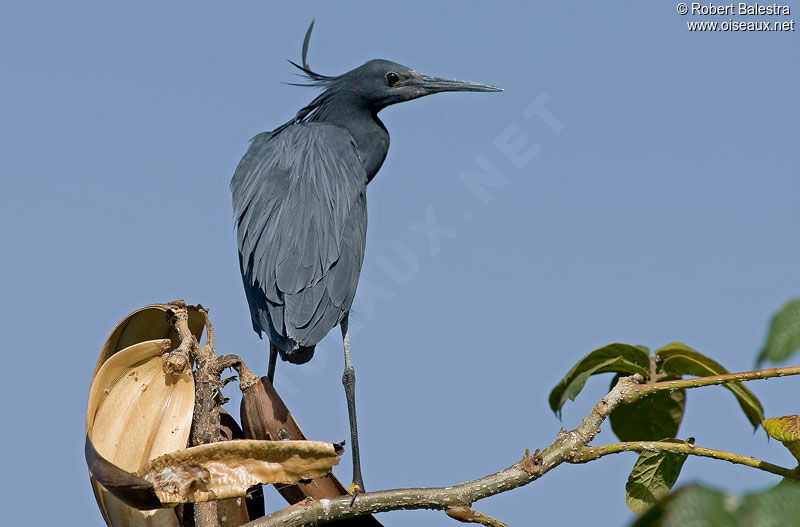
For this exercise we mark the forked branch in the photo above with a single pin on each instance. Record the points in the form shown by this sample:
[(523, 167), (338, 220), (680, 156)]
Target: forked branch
[(568, 447), (528, 469)]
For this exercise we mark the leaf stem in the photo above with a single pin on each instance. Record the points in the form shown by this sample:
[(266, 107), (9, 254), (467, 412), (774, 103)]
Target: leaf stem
[(465, 514), (589, 453), (485, 519), (653, 370)]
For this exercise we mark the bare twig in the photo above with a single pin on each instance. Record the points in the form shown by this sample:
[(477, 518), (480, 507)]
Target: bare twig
[(697, 382), (179, 359), (205, 421), (208, 390), (465, 514), (653, 377), (206, 352), (589, 453), (246, 377)]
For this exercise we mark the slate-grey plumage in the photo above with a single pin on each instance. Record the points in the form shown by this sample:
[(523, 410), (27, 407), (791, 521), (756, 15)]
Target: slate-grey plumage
[(299, 196)]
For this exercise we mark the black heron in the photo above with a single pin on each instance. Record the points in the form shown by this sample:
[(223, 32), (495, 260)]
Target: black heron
[(299, 197)]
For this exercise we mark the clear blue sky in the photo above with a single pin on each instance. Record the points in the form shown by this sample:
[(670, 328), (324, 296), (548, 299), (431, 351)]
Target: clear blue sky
[(666, 208)]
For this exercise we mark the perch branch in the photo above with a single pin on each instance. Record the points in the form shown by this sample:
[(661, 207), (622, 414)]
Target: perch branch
[(568, 447), (589, 453), (528, 469), (456, 500)]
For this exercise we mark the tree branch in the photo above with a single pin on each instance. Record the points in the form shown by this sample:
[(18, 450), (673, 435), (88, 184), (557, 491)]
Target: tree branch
[(697, 382), (205, 420), (529, 469), (455, 500), (568, 447), (589, 453), (208, 394)]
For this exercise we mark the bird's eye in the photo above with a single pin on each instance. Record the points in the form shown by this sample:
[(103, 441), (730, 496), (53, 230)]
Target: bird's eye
[(392, 78)]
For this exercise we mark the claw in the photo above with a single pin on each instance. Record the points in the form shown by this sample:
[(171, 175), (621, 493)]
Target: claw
[(354, 491)]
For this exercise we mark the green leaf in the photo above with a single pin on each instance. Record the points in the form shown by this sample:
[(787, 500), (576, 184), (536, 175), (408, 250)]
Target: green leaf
[(652, 477), (617, 358), (649, 419), (691, 505), (700, 506), (783, 339), (785, 482), (679, 359), (776, 507), (785, 429)]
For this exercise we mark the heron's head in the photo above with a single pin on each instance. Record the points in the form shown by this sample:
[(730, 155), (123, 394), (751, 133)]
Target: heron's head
[(380, 83)]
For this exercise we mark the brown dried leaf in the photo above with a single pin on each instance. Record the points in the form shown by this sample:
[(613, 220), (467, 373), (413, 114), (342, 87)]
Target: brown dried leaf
[(265, 416), (136, 411), (227, 469), (147, 323)]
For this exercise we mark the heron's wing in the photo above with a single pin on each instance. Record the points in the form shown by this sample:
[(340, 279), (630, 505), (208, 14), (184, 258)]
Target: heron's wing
[(300, 211)]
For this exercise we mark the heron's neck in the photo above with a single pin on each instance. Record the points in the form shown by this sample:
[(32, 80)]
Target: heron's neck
[(372, 138)]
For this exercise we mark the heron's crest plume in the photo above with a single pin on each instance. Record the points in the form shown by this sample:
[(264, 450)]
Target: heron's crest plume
[(316, 79)]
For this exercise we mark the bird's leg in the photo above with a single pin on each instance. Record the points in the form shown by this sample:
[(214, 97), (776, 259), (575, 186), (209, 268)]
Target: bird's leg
[(273, 358), (349, 382)]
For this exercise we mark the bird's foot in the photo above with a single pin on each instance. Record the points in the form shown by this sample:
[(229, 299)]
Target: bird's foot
[(354, 490)]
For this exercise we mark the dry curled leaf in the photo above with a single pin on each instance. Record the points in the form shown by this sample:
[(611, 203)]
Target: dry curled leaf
[(148, 323), (137, 412), (138, 423), (227, 469), (265, 416)]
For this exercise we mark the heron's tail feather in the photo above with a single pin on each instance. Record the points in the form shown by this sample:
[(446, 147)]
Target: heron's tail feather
[(299, 355)]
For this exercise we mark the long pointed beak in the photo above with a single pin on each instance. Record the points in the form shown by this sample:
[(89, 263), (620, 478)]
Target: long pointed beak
[(436, 85)]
